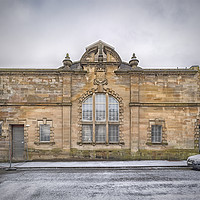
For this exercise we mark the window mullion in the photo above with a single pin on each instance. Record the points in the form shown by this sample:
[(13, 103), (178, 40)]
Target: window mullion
[(107, 138), (93, 117)]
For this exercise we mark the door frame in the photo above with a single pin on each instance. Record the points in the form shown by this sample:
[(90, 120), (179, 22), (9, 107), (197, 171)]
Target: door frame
[(12, 140)]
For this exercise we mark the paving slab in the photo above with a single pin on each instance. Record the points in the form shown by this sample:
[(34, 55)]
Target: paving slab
[(98, 164)]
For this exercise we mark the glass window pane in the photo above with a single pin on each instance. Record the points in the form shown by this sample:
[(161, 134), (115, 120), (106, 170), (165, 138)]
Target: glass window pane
[(44, 132), (87, 133), (87, 110), (113, 109), (156, 133), (100, 107), (100, 133), (113, 133)]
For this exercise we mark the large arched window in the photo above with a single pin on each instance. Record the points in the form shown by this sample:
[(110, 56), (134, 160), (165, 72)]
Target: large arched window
[(100, 119)]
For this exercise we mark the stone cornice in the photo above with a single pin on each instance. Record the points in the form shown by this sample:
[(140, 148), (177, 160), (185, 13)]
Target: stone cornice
[(39, 72), (27, 70), (158, 71), (164, 104), (169, 71), (35, 104)]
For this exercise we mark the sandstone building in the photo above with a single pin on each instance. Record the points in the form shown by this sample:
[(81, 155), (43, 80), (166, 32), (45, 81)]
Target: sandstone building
[(99, 108)]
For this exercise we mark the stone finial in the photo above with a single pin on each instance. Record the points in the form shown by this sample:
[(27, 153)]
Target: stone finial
[(67, 62), (134, 61)]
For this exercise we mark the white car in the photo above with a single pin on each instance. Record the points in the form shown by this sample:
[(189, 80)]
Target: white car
[(194, 161)]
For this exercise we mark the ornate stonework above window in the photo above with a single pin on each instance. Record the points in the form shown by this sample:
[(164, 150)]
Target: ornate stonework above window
[(44, 133), (100, 75), (156, 132), (100, 118), (197, 134)]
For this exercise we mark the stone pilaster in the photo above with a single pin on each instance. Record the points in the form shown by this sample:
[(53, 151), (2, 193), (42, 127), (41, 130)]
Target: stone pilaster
[(66, 114), (135, 88), (135, 129)]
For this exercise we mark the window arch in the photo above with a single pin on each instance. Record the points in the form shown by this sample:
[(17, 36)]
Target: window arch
[(100, 119)]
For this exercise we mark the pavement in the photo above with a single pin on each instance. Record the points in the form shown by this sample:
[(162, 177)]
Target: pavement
[(97, 184), (96, 164)]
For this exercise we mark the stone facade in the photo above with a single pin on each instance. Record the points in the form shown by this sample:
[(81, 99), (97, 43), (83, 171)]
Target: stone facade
[(157, 111)]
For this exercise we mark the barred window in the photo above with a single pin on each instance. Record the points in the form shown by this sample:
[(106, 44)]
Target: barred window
[(100, 133), (87, 133), (156, 133), (113, 133), (44, 132), (113, 109), (100, 107), (100, 119)]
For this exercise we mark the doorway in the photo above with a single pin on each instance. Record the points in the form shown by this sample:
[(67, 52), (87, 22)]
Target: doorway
[(18, 142)]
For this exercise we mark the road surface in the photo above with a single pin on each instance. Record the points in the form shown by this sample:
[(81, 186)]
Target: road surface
[(106, 184)]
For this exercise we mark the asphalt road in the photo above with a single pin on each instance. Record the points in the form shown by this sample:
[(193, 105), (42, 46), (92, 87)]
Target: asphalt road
[(106, 184)]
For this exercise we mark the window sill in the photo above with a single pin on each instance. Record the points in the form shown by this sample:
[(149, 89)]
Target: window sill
[(152, 143), (100, 143), (45, 143)]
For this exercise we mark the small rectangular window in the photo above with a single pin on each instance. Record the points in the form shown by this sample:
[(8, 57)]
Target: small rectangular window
[(44, 132), (87, 133), (100, 133), (113, 133), (156, 133)]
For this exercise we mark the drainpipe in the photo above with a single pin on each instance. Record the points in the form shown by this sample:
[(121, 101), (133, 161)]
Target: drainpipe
[(10, 168), (10, 150)]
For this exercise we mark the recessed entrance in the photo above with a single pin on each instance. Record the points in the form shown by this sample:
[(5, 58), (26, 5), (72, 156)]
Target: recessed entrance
[(18, 142)]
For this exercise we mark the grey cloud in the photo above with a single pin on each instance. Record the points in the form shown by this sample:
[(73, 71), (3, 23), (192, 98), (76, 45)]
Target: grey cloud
[(40, 33)]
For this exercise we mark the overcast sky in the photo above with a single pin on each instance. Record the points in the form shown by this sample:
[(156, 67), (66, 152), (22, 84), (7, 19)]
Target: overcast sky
[(38, 33)]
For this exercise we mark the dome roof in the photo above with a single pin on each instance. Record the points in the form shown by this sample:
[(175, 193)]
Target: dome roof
[(100, 52)]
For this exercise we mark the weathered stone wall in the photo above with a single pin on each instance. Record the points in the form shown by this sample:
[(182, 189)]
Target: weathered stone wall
[(28, 98), (168, 88), (31, 88), (178, 122), (169, 97)]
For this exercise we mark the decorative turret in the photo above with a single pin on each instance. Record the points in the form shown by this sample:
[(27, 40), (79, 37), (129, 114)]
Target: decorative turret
[(195, 67), (134, 61), (67, 62)]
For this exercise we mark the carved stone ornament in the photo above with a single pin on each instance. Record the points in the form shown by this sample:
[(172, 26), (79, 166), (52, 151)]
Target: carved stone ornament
[(100, 75), (100, 52), (100, 79)]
